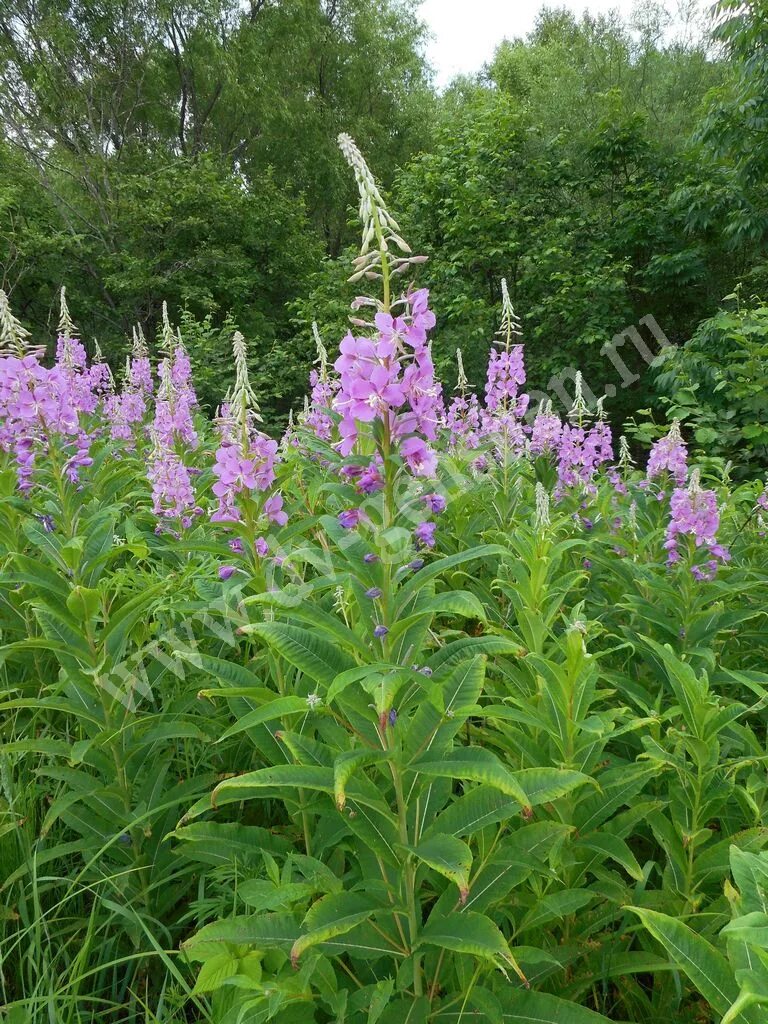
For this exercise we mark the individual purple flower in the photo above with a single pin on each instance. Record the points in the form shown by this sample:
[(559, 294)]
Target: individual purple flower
[(371, 480), (261, 547), (436, 503), (418, 456), (369, 558), (350, 518), (392, 718), (380, 631), (373, 593), (424, 535), (273, 509), (227, 571), (416, 564)]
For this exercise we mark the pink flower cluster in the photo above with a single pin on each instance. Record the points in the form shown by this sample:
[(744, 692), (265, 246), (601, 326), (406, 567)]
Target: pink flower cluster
[(175, 401), (671, 454), (242, 466), (545, 432), (506, 374), (37, 403), (580, 452), (319, 419), (392, 379), (463, 420), (127, 409), (694, 513)]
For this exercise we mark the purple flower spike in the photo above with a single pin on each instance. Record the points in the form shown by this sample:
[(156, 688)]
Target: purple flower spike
[(380, 631), (226, 571)]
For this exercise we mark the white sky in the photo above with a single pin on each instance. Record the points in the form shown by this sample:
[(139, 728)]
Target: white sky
[(466, 32)]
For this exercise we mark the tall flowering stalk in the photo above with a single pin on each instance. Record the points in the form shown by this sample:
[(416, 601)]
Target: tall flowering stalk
[(128, 409), (581, 449), (245, 462), (504, 404), (463, 418), (388, 380), (173, 431), (323, 388), (176, 397)]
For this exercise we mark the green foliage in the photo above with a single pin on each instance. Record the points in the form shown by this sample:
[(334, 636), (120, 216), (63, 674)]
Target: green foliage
[(186, 153), (716, 384)]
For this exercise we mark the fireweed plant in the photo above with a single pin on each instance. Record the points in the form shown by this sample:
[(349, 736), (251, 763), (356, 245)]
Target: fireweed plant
[(437, 709)]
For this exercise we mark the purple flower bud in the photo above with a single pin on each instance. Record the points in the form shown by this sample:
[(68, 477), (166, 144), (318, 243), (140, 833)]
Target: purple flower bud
[(261, 546), (425, 670), (226, 571), (236, 545), (373, 593), (393, 718), (380, 631), (47, 523), (586, 564), (416, 564), (370, 558)]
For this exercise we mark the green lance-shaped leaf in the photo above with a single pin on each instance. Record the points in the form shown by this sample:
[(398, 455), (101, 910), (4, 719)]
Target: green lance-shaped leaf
[(474, 764), (527, 1007), (317, 658), (609, 847), (262, 931), (229, 674), (706, 967), (346, 764), (268, 712), (542, 785), (450, 857), (290, 776), (467, 932), (441, 565), (333, 915)]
